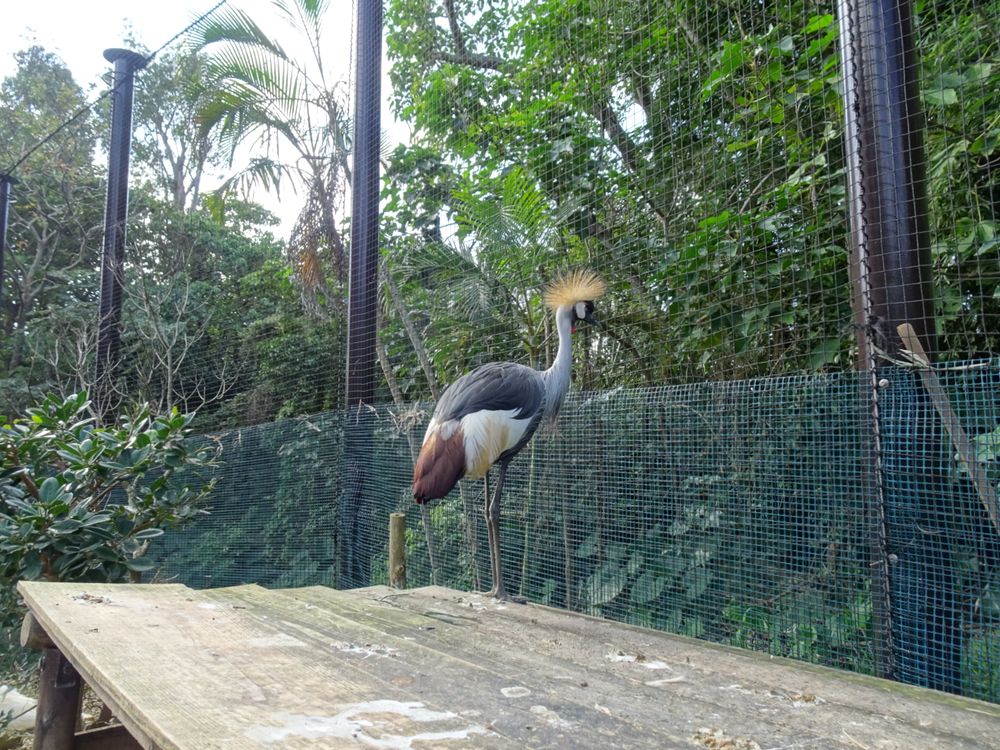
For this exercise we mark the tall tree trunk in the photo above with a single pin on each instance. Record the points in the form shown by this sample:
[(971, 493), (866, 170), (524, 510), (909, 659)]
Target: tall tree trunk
[(411, 331)]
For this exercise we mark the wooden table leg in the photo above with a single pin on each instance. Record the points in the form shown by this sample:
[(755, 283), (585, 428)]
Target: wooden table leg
[(59, 696), (59, 691)]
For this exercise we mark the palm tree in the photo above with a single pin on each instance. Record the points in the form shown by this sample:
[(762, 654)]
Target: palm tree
[(291, 114)]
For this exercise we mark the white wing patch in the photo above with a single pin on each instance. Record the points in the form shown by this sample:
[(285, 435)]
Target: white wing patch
[(487, 435), (445, 429)]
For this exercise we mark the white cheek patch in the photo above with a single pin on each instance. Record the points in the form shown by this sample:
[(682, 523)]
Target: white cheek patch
[(581, 310)]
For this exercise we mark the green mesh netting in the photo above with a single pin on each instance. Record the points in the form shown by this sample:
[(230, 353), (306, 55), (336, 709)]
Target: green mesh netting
[(740, 512)]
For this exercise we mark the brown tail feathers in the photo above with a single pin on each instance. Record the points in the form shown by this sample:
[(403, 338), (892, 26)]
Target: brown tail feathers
[(439, 466)]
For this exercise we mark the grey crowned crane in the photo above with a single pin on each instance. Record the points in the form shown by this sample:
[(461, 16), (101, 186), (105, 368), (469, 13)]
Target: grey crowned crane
[(488, 415)]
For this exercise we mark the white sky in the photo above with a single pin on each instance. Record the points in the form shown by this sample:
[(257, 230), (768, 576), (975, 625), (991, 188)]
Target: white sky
[(79, 32)]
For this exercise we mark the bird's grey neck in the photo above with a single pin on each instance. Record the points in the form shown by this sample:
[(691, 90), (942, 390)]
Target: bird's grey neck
[(557, 377)]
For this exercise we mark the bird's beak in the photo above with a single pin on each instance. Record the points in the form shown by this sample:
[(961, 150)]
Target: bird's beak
[(592, 320)]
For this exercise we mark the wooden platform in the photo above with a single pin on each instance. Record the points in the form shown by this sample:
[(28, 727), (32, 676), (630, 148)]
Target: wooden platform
[(246, 667)]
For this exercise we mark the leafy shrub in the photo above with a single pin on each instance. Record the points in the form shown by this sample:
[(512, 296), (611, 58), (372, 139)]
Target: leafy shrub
[(80, 502)]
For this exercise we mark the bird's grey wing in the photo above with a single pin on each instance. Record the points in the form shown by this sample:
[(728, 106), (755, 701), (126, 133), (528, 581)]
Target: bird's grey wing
[(499, 386)]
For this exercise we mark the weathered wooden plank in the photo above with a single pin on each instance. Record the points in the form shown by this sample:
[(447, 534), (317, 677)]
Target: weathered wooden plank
[(189, 671), (806, 698), (314, 667), (631, 672), (429, 656)]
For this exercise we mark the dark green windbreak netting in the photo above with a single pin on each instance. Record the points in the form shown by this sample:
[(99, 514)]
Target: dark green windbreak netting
[(741, 512)]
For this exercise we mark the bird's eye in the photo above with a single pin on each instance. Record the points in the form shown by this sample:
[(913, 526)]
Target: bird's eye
[(581, 310)]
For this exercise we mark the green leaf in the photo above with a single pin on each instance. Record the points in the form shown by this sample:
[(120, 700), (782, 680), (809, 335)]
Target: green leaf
[(606, 583), (824, 353), (987, 446), (941, 97), (731, 58), (978, 72), (588, 548), (647, 587), (151, 533), (65, 526), (50, 490), (140, 564), (696, 582), (817, 23), (31, 566)]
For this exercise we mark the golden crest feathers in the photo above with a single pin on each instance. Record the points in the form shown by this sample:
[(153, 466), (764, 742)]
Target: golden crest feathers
[(582, 285)]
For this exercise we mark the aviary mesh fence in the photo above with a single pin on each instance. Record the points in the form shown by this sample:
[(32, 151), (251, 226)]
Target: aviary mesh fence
[(721, 469)]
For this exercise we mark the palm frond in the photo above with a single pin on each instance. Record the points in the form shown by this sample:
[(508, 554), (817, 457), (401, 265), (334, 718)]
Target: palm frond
[(270, 81), (472, 289), (299, 10), (233, 26), (260, 172), (513, 218)]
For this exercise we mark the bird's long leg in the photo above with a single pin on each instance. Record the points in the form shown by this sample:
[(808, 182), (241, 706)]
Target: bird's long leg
[(493, 527), (486, 516)]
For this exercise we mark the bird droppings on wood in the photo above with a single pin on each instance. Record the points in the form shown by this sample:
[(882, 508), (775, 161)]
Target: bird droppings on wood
[(380, 724), (515, 692), (716, 739), (621, 656), (366, 650), (666, 681), (802, 699), (86, 598), (549, 717)]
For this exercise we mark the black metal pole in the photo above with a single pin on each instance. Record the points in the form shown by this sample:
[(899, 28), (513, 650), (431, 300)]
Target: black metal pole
[(915, 605), (6, 181), (887, 180), (356, 520), (115, 216), (364, 207)]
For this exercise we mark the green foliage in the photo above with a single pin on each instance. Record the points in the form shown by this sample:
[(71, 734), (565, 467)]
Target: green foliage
[(82, 502), (274, 507), (255, 92), (54, 220), (696, 158)]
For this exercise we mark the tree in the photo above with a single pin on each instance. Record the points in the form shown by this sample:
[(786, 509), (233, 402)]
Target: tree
[(259, 94), (696, 159), (169, 144), (55, 220)]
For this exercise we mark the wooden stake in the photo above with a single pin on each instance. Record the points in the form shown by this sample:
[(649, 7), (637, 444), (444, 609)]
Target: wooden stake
[(964, 447), (397, 550)]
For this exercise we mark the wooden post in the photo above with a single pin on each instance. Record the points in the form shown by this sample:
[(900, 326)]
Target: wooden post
[(964, 447), (397, 550), (59, 691), (59, 696)]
